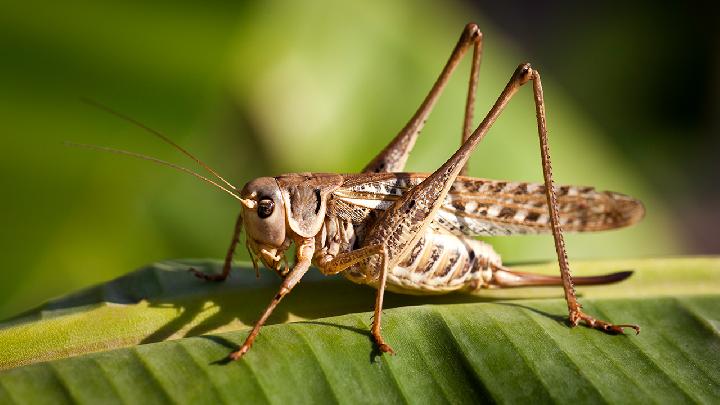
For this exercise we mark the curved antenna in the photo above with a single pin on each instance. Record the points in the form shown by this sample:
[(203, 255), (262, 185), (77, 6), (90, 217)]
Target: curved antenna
[(157, 134), (154, 160)]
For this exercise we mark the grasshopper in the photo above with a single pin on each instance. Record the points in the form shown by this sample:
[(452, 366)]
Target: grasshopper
[(412, 233)]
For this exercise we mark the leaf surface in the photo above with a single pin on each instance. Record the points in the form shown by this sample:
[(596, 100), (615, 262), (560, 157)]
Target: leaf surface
[(503, 345)]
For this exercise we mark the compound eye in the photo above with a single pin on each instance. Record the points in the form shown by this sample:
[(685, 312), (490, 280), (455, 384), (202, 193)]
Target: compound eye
[(265, 208)]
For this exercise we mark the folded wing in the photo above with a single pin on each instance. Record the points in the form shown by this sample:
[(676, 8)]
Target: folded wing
[(482, 207)]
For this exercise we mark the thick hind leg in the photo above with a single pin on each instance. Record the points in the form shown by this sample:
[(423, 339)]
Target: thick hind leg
[(403, 223), (394, 156), (400, 226)]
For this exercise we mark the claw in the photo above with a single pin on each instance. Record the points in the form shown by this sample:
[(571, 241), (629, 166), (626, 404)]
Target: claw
[(237, 354), (380, 342), (385, 348), (205, 276), (577, 316), (636, 328)]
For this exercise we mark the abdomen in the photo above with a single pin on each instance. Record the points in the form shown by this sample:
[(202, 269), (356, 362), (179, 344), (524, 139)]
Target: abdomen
[(439, 263)]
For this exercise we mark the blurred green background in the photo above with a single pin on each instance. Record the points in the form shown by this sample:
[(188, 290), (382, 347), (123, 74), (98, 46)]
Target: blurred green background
[(264, 88)]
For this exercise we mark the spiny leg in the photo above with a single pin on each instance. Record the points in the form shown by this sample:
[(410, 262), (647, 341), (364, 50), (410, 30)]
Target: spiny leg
[(574, 308), (228, 257), (394, 156), (400, 226), (305, 252)]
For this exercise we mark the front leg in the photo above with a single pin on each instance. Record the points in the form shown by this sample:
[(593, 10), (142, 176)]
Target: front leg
[(227, 266), (305, 251)]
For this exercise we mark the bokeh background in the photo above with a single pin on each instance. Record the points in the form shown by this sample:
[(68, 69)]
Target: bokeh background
[(262, 88)]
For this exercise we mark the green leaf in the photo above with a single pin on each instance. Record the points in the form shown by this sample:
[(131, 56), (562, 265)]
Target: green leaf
[(502, 345)]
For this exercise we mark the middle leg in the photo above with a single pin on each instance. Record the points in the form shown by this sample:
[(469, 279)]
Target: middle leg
[(343, 261)]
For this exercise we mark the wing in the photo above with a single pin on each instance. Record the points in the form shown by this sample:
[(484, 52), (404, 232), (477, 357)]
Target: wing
[(482, 207)]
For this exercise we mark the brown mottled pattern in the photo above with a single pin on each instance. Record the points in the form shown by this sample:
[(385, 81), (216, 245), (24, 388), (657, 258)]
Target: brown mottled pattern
[(447, 265), (506, 213), (438, 263), (465, 264), (429, 262), (532, 216), (453, 270), (413, 258), (348, 212), (473, 207), (460, 264), (522, 207)]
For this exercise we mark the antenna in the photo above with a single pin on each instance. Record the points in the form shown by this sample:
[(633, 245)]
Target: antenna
[(158, 134), (154, 160)]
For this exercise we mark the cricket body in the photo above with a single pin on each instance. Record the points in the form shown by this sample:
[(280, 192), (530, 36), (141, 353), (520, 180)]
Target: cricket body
[(413, 233)]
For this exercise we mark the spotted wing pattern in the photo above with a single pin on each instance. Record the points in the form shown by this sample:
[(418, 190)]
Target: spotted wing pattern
[(482, 207)]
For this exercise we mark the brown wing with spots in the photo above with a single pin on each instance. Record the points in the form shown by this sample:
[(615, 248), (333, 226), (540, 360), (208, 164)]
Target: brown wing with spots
[(491, 207), (485, 207)]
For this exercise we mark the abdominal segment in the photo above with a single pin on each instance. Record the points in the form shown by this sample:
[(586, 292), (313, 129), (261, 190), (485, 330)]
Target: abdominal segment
[(438, 263)]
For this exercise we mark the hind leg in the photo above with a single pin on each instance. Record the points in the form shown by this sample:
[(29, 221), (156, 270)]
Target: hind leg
[(395, 154)]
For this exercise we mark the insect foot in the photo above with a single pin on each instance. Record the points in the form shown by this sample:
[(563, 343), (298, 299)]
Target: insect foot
[(238, 353), (382, 346), (206, 276), (380, 341), (578, 315), (385, 348)]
